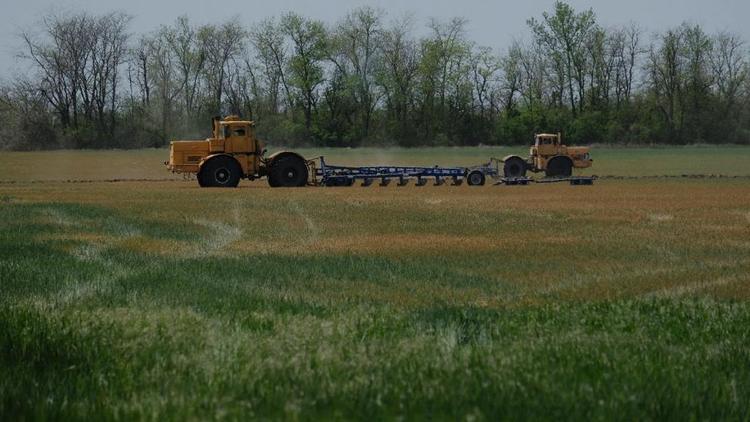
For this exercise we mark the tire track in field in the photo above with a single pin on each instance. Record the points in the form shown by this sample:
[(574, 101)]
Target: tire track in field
[(583, 282), (689, 289), (312, 229), (92, 252), (219, 235)]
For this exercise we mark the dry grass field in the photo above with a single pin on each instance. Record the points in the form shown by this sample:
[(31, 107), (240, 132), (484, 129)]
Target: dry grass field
[(155, 299), (147, 164)]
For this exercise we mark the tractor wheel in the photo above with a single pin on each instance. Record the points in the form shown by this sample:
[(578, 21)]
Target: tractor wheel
[(515, 168), (287, 172), (220, 172), (559, 167), (475, 178)]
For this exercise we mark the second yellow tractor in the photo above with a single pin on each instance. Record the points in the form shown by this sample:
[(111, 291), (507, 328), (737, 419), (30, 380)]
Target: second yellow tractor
[(548, 155)]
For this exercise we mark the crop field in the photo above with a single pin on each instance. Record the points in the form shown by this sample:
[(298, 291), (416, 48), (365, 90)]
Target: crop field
[(128, 293), (146, 164)]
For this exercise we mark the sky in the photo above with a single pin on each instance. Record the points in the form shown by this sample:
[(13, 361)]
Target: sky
[(492, 23)]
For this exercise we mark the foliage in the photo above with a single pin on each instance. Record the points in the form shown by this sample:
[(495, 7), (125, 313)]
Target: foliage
[(367, 81)]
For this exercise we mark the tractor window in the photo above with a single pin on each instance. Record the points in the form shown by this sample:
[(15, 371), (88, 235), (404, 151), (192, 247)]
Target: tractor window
[(239, 132)]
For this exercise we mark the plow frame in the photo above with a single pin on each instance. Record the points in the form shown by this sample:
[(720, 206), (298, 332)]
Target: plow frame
[(324, 174), (331, 175)]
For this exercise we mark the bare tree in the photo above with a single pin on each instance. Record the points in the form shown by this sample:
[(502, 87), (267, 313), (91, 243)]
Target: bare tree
[(60, 57), (242, 88), (666, 79), (222, 44), (78, 58), (190, 57), (729, 66), (138, 65), (160, 78), (633, 53), (512, 76), (485, 72), (397, 74), (268, 39), (730, 69), (535, 84), (25, 121), (106, 58)]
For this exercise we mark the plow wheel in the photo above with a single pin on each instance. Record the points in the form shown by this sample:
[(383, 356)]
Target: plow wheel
[(475, 178)]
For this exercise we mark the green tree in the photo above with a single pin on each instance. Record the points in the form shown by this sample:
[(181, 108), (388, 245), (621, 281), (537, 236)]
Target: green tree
[(564, 34), (309, 42), (355, 50)]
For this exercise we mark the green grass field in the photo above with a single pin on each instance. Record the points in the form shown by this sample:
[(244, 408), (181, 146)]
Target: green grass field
[(626, 300)]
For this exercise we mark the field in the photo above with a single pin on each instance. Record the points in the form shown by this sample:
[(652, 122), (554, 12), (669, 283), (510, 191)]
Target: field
[(136, 296), (147, 164)]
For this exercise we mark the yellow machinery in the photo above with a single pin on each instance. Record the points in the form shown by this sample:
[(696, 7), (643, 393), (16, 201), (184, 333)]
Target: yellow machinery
[(233, 153), (550, 156)]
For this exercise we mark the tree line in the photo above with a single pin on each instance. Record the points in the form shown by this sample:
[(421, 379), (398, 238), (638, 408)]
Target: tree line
[(367, 80)]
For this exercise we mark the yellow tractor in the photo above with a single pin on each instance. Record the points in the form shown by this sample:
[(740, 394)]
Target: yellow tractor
[(550, 156), (233, 153)]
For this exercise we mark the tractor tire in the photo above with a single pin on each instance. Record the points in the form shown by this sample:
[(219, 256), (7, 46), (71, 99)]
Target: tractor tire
[(559, 167), (475, 178), (288, 172), (201, 182), (220, 172), (514, 168)]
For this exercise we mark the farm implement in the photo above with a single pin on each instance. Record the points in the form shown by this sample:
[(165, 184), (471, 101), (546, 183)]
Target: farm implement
[(328, 175), (331, 175), (234, 153)]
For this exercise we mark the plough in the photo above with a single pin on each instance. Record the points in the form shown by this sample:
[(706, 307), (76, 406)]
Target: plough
[(324, 174)]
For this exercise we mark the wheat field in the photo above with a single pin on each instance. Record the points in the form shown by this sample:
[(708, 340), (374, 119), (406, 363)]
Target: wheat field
[(150, 298)]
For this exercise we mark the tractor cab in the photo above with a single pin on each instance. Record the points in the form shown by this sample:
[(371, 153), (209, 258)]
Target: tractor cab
[(234, 136), (546, 145)]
